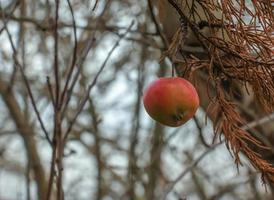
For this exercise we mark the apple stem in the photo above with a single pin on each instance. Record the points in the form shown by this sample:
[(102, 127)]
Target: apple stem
[(172, 70)]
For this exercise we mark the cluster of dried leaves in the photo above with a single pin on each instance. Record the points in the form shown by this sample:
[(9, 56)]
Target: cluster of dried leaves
[(243, 53)]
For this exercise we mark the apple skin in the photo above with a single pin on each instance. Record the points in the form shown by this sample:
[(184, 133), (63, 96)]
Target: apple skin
[(171, 101)]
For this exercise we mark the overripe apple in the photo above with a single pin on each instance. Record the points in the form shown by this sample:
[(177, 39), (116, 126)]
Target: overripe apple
[(171, 101)]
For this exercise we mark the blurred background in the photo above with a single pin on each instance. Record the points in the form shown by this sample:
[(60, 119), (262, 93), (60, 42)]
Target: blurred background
[(114, 150)]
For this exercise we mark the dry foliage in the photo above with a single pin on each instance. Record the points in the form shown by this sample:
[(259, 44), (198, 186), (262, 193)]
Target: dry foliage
[(243, 53)]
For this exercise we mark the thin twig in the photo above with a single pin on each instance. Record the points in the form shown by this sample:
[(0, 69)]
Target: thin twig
[(50, 90), (56, 66), (257, 122), (95, 5), (73, 57), (157, 25), (200, 130), (52, 173)]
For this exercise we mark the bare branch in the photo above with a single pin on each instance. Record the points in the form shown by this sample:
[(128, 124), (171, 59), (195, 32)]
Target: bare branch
[(27, 86), (93, 83)]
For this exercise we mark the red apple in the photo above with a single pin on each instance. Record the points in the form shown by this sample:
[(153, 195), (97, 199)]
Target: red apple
[(171, 101)]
